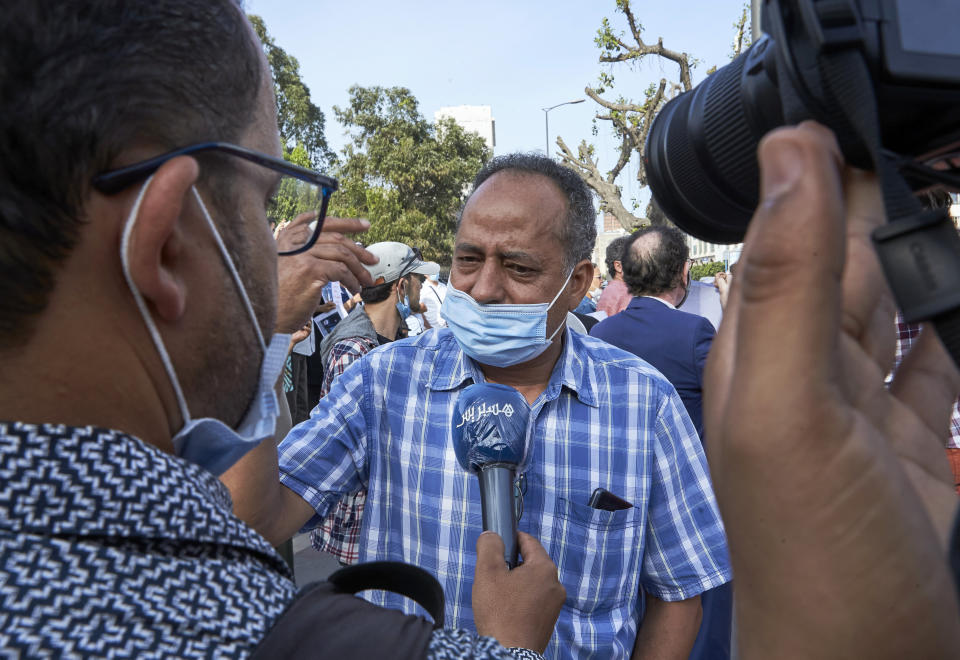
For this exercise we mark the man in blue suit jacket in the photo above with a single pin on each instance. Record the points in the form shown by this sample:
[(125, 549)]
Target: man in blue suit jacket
[(656, 270)]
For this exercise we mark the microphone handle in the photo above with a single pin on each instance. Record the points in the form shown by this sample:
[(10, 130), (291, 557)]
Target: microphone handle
[(498, 510)]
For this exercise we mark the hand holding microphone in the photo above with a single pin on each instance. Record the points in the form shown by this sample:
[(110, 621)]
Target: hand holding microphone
[(490, 439), (517, 607)]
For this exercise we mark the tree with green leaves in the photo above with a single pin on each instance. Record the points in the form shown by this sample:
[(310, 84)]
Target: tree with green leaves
[(301, 122), (407, 175), (708, 269), (631, 119)]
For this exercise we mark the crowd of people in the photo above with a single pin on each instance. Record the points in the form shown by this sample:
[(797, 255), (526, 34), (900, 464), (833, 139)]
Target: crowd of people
[(150, 323)]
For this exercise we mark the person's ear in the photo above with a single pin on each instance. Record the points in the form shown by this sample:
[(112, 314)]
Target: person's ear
[(580, 282), (157, 237), (618, 267)]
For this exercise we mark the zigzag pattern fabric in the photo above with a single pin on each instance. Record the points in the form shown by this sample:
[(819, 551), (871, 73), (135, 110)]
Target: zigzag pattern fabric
[(111, 548)]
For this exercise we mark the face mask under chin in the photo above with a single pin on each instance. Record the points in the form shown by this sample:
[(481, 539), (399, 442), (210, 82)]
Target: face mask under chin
[(499, 335), (207, 441)]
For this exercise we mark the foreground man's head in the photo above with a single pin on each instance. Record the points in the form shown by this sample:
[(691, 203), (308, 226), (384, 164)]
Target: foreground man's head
[(88, 92)]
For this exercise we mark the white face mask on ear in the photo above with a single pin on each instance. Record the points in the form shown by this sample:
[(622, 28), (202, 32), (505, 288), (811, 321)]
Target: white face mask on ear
[(206, 441)]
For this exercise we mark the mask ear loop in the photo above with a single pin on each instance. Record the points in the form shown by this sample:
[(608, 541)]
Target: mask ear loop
[(565, 283), (142, 305), (555, 298), (232, 268)]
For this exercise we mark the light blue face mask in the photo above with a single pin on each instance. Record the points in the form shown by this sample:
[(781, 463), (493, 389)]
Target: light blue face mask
[(403, 307), (206, 441), (499, 335)]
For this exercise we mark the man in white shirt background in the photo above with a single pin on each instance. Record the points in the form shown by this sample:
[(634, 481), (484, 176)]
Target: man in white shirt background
[(432, 294)]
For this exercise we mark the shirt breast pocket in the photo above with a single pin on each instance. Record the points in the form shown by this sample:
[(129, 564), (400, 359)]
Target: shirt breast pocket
[(600, 556)]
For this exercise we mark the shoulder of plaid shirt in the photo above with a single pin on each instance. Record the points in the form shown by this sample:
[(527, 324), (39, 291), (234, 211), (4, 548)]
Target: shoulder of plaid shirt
[(606, 419)]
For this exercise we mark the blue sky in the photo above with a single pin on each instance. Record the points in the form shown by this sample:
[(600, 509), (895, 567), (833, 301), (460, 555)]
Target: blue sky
[(517, 57)]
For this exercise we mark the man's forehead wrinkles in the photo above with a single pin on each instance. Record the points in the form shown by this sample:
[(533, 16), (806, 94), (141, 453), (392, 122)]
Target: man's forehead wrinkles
[(504, 254)]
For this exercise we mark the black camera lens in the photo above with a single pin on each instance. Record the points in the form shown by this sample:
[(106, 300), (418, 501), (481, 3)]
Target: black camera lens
[(700, 155)]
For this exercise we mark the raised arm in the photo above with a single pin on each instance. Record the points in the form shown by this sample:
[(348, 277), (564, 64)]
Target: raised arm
[(835, 490), (258, 497), (260, 500)]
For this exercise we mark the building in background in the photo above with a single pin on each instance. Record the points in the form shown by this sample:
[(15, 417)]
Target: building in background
[(703, 252), (472, 118)]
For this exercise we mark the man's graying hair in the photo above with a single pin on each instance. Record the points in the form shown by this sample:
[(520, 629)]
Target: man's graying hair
[(579, 232), (81, 83), (654, 266)]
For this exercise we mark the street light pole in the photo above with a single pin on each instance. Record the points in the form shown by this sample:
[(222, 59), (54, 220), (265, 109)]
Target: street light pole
[(546, 122)]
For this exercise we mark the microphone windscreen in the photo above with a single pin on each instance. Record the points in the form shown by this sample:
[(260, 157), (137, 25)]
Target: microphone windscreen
[(490, 426)]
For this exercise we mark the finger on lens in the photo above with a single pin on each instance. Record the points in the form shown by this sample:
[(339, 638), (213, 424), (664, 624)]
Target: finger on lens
[(788, 281), (868, 306)]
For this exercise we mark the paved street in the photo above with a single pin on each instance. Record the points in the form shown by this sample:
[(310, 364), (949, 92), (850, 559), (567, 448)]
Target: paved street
[(310, 565)]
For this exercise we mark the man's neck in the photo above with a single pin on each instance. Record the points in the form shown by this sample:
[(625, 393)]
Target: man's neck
[(384, 317), (45, 382), (529, 378), (673, 296)]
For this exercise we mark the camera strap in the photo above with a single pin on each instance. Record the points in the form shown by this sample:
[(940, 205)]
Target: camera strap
[(919, 249)]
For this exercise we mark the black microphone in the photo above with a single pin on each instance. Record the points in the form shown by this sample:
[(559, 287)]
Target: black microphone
[(490, 440)]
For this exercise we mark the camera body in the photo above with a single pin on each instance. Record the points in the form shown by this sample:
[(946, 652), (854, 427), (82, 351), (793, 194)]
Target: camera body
[(700, 154)]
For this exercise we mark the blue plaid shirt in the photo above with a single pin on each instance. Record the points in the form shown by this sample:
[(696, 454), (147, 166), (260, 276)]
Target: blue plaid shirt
[(607, 419)]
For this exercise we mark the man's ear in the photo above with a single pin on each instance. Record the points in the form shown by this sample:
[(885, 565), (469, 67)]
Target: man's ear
[(157, 237), (580, 282), (617, 268)]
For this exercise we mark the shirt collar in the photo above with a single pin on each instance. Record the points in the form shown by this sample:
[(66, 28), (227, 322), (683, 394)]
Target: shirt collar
[(668, 304), (573, 370), (452, 367)]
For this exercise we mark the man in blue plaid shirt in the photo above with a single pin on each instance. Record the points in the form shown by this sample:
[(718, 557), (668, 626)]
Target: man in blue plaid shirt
[(601, 418)]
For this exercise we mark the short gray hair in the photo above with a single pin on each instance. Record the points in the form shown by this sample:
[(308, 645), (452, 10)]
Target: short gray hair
[(579, 233)]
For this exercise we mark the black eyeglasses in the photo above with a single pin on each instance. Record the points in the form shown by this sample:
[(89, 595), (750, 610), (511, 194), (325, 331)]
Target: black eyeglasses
[(299, 191)]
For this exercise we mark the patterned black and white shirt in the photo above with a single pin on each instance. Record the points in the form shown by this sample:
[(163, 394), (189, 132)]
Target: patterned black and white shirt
[(112, 548)]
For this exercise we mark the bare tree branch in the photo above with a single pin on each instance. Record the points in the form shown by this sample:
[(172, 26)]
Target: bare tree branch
[(631, 122), (608, 191), (643, 49), (741, 39), (634, 26), (620, 107), (637, 52), (626, 150)]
